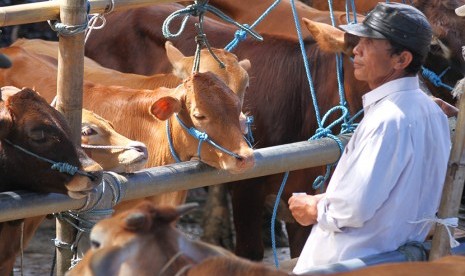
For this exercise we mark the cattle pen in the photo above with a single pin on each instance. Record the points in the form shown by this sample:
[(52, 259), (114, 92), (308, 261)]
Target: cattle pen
[(273, 160)]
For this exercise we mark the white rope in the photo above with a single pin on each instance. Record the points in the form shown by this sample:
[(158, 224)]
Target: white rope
[(96, 17), (446, 222)]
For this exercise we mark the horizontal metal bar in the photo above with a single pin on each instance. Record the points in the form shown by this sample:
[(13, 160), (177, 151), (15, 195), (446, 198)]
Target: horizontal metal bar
[(50, 10), (180, 176)]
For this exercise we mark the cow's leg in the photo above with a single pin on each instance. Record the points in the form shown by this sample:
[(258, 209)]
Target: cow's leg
[(248, 200), (297, 237)]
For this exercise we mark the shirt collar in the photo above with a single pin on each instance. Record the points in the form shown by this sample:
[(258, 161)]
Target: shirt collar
[(397, 85)]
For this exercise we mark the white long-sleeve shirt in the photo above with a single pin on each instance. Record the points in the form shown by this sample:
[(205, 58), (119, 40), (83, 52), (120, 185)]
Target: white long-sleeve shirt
[(390, 175)]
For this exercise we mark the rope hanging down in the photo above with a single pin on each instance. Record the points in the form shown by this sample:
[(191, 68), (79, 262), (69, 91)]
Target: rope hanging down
[(199, 9)]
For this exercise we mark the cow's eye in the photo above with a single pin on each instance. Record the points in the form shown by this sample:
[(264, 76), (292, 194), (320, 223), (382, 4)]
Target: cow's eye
[(95, 244), (199, 116), (38, 136), (88, 131)]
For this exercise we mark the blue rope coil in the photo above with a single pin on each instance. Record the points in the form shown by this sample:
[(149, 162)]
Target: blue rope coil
[(434, 78)]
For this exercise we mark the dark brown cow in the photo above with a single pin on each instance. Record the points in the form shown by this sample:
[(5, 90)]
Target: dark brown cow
[(29, 122), (279, 100), (143, 241)]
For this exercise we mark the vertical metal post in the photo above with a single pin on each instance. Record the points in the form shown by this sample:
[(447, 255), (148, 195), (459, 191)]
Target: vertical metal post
[(453, 186), (69, 99)]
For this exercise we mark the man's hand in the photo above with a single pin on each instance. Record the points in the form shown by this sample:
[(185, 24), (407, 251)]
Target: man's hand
[(303, 208)]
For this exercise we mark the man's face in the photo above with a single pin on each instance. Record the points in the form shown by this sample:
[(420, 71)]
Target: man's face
[(373, 61)]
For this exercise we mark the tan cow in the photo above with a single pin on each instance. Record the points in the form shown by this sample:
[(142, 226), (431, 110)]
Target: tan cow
[(143, 241), (234, 72), (113, 151)]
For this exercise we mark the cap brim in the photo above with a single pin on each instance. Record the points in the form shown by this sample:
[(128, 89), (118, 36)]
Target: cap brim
[(361, 30), (460, 11)]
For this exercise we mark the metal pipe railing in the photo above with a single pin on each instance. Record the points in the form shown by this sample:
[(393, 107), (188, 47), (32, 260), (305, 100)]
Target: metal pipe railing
[(180, 176)]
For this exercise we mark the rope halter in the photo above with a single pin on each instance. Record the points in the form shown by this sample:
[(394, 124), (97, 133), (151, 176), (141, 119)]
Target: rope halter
[(199, 135), (59, 166)]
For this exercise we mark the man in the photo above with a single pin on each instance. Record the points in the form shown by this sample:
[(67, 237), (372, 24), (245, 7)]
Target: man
[(391, 173)]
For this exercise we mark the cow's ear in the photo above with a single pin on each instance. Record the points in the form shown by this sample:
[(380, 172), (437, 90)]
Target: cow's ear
[(6, 121), (245, 63), (164, 107), (177, 60), (329, 38)]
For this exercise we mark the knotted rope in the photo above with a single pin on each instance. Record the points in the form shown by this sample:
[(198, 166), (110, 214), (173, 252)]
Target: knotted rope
[(99, 205), (69, 30), (434, 78), (199, 9), (197, 134), (446, 222), (59, 166)]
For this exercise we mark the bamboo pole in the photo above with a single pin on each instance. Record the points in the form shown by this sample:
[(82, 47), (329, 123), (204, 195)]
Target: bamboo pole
[(50, 10), (69, 101), (453, 186)]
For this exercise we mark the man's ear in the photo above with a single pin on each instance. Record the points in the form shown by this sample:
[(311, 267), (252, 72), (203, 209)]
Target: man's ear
[(404, 59)]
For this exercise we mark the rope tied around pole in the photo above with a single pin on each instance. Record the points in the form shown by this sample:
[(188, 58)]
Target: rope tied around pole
[(99, 205), (69, 30)]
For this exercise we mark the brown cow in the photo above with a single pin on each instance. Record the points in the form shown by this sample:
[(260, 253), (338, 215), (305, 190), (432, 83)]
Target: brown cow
[(203, 101), (113, 151), (280, 20), (280, 100), (143, 241), (29, 123)]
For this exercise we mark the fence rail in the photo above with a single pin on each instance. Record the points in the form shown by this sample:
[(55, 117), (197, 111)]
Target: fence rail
[(181, 176)]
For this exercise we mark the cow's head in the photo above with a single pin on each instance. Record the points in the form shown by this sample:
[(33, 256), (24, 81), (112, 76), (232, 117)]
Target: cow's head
[(203, 101), (29, 122), (113, 151), (140, 241)]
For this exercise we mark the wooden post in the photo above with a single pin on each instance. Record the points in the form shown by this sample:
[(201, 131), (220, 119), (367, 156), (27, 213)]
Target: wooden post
[(69, 100), (453, 186)]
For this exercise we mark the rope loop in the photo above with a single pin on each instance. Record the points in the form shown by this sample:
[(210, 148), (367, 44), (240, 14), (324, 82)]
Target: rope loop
[(434, 78)]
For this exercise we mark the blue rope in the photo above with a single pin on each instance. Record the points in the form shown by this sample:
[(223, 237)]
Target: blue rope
[(59, 166), (170, 142), (273, 219), (199, 135), (249, 122), (196, 10), (434, 78), (241, 35)]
